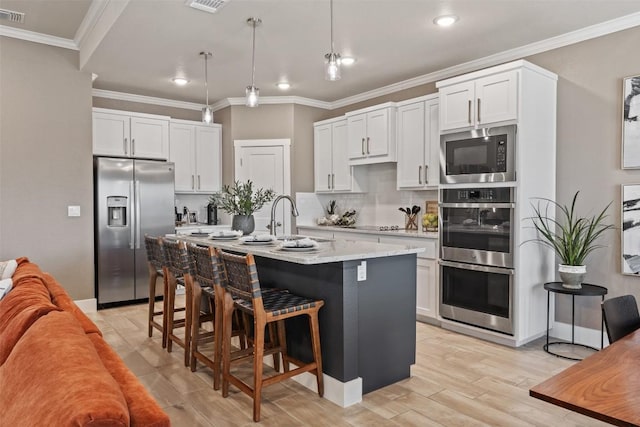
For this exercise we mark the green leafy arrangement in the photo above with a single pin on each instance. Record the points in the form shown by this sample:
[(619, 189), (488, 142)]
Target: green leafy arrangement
[(572, 237), (242, 198)]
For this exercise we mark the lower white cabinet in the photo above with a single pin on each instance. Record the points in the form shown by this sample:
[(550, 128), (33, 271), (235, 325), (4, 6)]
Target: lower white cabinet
[(196, 150)]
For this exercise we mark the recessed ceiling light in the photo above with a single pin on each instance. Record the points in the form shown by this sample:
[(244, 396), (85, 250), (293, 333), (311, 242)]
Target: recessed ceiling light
[(180, 81), (347, 60), (283, 85), (445, 20)]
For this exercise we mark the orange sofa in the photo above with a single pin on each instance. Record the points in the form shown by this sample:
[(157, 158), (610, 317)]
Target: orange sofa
[(55, 367)]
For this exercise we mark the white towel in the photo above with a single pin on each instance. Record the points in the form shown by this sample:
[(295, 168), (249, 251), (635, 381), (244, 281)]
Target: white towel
[(7, 268), (300, 243), (259, 238), (226, 233), (5, 287)]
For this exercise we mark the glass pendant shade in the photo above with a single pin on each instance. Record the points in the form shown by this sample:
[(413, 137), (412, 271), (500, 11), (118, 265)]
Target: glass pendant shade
[(332, 66), (252, 93), (207, 115)]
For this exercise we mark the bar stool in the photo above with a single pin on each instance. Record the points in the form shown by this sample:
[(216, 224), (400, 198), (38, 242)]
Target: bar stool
[(205, 273), (155, 260), (243, 292), (176, 265)]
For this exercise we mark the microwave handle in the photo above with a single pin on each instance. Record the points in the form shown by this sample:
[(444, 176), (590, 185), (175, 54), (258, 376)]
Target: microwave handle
[(479, 205), (474, 267)]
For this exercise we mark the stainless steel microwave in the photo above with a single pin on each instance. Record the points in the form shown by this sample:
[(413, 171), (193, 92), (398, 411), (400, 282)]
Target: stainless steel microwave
[(478, 155)]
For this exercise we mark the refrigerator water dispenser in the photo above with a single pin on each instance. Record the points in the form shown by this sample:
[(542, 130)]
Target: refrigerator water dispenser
[(117, 211)]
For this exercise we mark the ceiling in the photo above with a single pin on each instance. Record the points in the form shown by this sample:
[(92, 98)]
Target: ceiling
[(152, 41)]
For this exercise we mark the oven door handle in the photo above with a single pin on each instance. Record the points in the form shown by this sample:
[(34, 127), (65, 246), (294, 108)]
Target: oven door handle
[(478, 205), (474, 267)]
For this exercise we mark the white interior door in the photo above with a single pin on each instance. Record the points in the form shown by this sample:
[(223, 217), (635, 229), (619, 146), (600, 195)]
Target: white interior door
[(266, 164)]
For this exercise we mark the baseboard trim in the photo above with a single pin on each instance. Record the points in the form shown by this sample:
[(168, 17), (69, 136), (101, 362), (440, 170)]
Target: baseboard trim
[(87, 305), (587, 336)]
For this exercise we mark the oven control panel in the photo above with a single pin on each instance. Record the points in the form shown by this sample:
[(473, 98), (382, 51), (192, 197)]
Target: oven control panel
[(478, 195)]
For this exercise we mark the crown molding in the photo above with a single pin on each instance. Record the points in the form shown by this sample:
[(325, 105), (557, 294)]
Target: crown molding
[(121, 96), (265, 100), (577, 36), (31, 36), (96, 24), (89, 22)]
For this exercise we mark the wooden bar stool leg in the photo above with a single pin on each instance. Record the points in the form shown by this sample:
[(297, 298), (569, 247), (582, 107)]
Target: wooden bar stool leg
[(315, 346), (188, 321), (258, 353), (171, 305), (217, 336), (165, 310), (226, 342), (282, 341), (153, 276), (195, 326), (273, 342)]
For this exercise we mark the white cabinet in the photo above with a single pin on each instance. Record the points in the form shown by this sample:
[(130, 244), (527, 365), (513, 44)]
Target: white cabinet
[(196, 151), (125, 134), (371, 135), (480, 101), (332, 172), (418, 144)]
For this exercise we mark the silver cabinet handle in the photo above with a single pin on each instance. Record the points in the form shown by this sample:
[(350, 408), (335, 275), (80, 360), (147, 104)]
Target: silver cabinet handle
[(133, 146), (124, 145), (368, 152), (362, 146), (419, 174), (193, 185), (469, 112), (198, 181), (426, 175), (329, 180), (478, 110), (333, 181)]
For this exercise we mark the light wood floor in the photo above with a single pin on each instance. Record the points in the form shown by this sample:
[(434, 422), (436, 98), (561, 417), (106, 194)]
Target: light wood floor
[(457, 381)]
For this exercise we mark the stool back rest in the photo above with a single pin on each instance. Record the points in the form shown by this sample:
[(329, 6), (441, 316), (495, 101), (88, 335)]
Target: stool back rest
[(155, 253), (620, 316), (242, 278), (204, 262), (176, 258)]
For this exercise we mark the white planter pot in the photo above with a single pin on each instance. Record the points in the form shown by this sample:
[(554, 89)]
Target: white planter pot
[(572, 275)]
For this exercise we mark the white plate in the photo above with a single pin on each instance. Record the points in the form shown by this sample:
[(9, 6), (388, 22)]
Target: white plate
[(299, 249), (224, 237), (258, 242)]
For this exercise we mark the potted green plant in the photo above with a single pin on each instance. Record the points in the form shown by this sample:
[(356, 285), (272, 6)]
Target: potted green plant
[(571, 236), (241, 200)]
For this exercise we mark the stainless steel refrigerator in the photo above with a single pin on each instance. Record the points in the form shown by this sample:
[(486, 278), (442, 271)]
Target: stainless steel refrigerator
[(132, 198)]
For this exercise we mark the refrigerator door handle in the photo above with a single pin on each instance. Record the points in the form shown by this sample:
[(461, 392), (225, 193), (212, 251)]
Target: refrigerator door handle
[(137, 214), (131, 216)]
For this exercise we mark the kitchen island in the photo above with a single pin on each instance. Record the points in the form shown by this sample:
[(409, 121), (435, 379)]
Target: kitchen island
[(367, 326)]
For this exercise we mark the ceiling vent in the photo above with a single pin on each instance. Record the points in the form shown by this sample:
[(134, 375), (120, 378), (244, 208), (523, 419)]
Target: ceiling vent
[(10, 15), (211, 6)]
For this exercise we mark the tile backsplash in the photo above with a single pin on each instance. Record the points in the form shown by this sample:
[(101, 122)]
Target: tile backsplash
[(379, 206)]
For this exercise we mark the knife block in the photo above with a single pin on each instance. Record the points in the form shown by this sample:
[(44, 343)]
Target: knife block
[(411, 222)]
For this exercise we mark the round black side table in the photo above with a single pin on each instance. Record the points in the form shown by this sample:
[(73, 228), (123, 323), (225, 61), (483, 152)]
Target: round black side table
[(585, 290)]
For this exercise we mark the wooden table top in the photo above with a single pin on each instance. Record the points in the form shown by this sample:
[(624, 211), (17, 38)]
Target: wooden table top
[(605, 385)]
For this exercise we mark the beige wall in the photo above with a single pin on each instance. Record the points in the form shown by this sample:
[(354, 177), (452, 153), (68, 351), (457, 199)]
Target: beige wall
[(45, 162), (302, 149)]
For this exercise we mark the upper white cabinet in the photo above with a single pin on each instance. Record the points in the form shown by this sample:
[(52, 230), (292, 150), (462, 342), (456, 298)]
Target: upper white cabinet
[(196, 150), (418, 144), (372, 135), (482, 100), (332, 172), (125, 134)]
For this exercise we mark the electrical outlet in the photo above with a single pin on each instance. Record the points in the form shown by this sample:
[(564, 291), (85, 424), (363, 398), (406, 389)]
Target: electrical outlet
[(362, 271), (73, 210)]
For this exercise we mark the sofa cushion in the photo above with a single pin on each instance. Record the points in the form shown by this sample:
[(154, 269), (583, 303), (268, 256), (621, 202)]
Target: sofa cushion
[(54, 377), (61, 299), (143, 409), (16, 326), (28, 292)]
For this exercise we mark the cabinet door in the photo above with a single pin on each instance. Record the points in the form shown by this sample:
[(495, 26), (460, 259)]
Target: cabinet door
[(431, 172), (411, 145), (149, 138), (322, 158), (341, 173), (111, 134), (497, 98), (208, 159), (182, 153), (456, 106), (426, 288), (357, 134), (377, 142)]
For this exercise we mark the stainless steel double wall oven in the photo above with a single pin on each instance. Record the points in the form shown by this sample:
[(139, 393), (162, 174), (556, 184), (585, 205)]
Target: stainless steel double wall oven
[(476, 233)]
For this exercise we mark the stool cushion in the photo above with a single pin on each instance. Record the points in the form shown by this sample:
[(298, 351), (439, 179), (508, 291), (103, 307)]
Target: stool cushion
[(277, 302)]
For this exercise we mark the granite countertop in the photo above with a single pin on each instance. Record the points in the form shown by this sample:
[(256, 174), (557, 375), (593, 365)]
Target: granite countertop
[(373, 229), (327, 251)]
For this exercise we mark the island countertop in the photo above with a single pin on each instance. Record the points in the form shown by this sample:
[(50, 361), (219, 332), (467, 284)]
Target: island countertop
[(328, 251)]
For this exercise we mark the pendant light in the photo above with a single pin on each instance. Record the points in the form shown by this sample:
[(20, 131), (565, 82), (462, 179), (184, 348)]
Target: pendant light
[(332, 70), (207, 113), (252, 92)]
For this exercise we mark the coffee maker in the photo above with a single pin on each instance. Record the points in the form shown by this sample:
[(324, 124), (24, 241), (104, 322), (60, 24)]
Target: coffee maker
[(212, 214)]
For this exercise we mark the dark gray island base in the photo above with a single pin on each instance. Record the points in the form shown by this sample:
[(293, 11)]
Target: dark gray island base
[(367, 328)]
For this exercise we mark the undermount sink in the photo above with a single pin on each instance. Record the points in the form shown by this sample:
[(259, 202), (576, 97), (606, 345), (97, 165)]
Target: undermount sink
[(299, 237)]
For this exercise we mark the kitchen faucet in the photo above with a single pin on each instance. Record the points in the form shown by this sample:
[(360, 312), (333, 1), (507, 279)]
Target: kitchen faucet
[(272, 222)]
